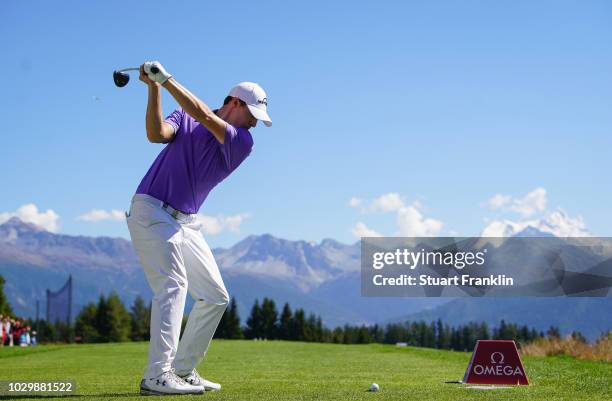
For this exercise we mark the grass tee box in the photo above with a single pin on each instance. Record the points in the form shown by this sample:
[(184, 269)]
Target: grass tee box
[(277, 370)]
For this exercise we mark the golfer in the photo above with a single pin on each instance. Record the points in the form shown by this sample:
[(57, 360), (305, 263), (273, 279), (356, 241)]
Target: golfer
[(203, 147)]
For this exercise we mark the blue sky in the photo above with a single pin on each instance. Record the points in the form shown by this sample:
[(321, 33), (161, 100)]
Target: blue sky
[(432, 118)]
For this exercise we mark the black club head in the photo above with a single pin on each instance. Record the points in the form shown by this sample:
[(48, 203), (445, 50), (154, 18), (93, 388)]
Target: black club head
[(121, 78)]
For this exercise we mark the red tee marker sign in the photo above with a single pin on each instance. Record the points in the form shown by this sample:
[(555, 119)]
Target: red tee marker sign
[(495, 362)]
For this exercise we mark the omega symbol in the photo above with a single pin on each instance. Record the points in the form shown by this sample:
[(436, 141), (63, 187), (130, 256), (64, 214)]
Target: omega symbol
[(501, 357)]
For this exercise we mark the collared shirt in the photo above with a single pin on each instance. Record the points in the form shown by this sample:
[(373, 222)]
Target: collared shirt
[(194, 162)]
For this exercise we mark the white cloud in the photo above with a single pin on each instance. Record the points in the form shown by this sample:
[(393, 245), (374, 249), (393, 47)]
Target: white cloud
[(233, 222), (498, 201), (562, 225), (29, 213), (387, 203), (355, 202), (557, 223), (361, 230), (503, 228), (215, 225), (534, 201), (412, 223), (97, 215)]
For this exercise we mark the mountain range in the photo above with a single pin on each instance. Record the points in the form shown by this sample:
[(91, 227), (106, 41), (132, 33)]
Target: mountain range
[(323, 278)]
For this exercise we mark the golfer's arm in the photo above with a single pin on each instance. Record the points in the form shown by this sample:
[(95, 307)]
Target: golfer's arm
[(158, 131), (196, 108)]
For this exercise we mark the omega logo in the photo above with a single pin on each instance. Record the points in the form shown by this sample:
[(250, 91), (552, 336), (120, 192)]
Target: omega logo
[(497, 368), (501, 358)]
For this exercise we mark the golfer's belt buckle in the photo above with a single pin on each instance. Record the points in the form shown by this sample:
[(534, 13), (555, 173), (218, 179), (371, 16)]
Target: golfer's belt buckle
[(171, 211)]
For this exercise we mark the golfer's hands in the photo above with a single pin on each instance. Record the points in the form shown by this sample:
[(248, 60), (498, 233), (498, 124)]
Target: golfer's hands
[(156, 72), (145, 78)]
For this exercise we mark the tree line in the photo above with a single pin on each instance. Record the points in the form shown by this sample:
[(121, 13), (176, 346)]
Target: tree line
[(109, 320), (265, 322)]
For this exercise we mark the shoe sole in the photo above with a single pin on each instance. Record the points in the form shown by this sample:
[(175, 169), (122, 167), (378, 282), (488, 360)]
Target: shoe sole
[(149, 392), (144, 391)]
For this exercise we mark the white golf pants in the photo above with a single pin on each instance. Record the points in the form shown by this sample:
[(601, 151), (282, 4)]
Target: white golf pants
[(176, 259)]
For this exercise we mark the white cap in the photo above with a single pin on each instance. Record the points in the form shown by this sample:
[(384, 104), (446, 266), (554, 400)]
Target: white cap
[(255, 98)]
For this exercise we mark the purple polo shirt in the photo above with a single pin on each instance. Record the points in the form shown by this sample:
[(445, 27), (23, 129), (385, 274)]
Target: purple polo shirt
[(190, 166)]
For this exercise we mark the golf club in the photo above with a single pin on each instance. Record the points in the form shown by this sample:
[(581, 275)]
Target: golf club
[(121, 77)]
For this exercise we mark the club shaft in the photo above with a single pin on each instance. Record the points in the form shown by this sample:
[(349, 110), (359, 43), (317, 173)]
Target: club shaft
[(129, 69)]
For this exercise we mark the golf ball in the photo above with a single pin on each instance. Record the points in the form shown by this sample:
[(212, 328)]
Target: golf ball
[(374, 387)]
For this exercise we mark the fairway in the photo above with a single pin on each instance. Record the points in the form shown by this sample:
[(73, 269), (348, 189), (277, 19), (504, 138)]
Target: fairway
[(277, 370)]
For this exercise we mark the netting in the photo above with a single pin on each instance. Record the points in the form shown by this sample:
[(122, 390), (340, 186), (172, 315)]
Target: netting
[(59, 303)]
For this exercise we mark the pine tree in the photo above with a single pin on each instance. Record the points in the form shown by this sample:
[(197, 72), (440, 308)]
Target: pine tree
[(45, 331), (394, 333), (5, 307), (430, 335), (447, 337), (113, 321), (455, 342), (221, 331), (310, 328), (254, 322), (483, 333), (576, 335), (421, 334), (524, 334), (298, 326), (337, 335), (229, 326), (284, 328), (502, 331), (269, 318), (141, 320), (465, 338), (327, 335), (319, 330), (121, 322), (512, 332), (64, 332), (233, 322), (103, 321), (443, 335), (363, 335), (416, 334), (553, 332), (348, 335), (85, 324)]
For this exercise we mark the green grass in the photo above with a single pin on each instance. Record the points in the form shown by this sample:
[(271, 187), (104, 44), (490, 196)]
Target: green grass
[(276, 370)]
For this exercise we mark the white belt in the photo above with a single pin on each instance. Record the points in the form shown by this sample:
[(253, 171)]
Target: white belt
[(175, 213)]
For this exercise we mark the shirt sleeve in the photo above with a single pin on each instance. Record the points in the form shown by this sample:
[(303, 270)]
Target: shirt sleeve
[(236, 147), (175, 119)]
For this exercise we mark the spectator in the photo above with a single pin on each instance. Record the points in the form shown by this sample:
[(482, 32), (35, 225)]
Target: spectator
[(24, 337), (17, 329), (3, 336), (28, 330), (9, 331), (15, 332)]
